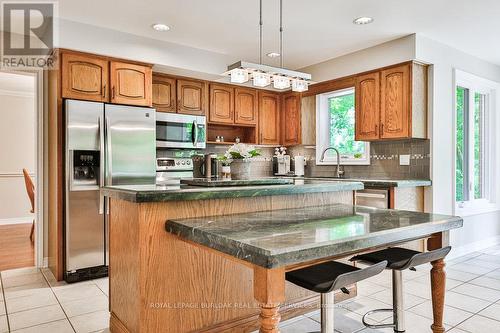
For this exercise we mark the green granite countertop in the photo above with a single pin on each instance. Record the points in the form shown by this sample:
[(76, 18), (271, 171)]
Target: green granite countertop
[(383, 183), (283, 237), (158, 193)]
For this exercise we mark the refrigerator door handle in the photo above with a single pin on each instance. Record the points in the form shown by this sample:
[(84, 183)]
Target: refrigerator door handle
[(100, 128), (195, 133), (109, 163)]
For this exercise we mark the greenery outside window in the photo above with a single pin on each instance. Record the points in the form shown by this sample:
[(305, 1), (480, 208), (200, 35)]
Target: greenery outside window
[(335, 127), (473, 192)]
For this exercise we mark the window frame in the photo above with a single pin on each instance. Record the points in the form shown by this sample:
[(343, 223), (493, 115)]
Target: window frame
[(323, 133), (474, 85)]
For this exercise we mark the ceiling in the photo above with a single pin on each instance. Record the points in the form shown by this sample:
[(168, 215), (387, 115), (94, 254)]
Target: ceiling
[(314, 30)]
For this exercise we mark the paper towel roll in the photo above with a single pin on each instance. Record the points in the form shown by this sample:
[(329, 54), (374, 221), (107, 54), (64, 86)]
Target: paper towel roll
[(299, 162)]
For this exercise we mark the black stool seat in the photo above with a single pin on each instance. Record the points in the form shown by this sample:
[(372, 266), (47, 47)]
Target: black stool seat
[(331, 275), (399, 258)]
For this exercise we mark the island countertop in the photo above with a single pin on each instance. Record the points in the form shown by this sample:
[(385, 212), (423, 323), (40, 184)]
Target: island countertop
[(159, 193), (285, 237)]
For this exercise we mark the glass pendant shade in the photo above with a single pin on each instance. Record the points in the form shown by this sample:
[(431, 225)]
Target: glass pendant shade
[(239, 75), (299, 85), (281, 82), (261, 79)]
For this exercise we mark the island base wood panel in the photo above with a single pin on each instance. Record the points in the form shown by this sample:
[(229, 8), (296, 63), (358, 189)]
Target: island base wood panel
[(152, 272)]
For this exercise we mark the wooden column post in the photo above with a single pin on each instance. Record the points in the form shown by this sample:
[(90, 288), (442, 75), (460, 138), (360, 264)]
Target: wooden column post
[(438, 281), (269, 291)]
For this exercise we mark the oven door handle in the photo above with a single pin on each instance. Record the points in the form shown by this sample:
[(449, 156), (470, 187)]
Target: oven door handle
[(195, 133)]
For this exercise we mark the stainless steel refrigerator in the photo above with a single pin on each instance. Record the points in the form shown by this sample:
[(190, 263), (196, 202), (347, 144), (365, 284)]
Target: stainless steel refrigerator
[(105, 145)]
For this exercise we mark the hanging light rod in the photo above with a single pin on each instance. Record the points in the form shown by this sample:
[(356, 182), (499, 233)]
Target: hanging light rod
[(263, 75)]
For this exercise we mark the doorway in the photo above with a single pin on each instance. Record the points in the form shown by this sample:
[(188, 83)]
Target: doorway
[(19, 151)]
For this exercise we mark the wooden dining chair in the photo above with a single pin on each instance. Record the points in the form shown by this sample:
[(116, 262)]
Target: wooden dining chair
[(30, 189)]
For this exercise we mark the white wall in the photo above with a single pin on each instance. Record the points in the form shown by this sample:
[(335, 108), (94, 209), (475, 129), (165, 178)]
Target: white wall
[(17, 145)]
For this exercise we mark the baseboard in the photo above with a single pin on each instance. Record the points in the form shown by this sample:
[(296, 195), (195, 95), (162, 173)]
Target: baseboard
[(17, 220), (473, 247)]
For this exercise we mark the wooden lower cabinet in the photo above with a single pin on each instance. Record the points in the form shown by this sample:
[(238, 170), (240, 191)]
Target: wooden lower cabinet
[(269, 118), (291, 119), (84, 77), (164, 93), (191, 97), (130, 84)]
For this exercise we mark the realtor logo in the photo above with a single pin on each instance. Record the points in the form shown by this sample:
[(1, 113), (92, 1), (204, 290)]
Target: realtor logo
[(27, 34)]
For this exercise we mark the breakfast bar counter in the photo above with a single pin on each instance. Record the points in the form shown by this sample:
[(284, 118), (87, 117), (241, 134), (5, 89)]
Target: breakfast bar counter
[(217, 263)]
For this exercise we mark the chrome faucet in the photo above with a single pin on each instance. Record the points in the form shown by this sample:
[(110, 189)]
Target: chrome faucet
[(339, 173)]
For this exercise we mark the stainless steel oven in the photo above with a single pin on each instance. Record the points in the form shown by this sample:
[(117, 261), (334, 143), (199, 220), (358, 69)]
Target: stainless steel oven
[(180, 131)]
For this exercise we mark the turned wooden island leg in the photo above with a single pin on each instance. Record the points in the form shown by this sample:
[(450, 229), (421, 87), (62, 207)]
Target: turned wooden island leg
[(438, 281), (269, 291)]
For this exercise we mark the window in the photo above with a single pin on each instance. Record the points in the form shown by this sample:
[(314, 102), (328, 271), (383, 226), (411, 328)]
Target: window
[(335, 127), (472, 163)]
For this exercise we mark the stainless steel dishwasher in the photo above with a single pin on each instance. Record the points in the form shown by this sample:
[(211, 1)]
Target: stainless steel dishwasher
[(373, 198)]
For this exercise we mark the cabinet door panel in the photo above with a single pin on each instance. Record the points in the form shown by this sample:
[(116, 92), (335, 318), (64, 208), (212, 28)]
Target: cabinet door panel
[(131, 84), (290, 119), (246, 107), (84, 77), (395, 103), (191, 97), (269, 118), (221, 104), (367, 92), (164, 94)]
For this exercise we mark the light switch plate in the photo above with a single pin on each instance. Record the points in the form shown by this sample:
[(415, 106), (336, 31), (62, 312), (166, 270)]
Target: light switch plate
[(404, 159)]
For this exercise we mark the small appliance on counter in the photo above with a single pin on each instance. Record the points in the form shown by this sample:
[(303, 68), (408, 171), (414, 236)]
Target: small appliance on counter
[(170, 170), (210, 168), (299, 163), (281, 165)]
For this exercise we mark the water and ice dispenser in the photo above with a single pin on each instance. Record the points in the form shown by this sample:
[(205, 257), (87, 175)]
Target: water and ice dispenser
[(85, 170)]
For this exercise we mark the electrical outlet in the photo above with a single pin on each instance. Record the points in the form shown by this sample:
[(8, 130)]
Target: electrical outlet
[(404, 159)]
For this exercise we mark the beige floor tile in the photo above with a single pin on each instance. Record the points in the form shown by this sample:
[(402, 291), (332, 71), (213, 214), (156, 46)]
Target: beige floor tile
[(422, 290), (457, 330), (2, 308), (487, 282), (366, 288), (76, 292), (490, 265), (469, 267), (384, 279), (103, 284), (4, 327), (409, 299), (24, 279), (450, 283), (459, 275), (480, 324), (26, 290), (35, 317), (37, 300), (86, 305), (60, 326), (345, 321), (492, 312), (489, 258), (362, 305), (91, 322), (452, 316), (494, 275), (487, 294), (464, 302), (19, 271), (303, 325)]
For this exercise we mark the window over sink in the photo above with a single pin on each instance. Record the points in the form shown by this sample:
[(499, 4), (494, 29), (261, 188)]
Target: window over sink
[(335, 127)]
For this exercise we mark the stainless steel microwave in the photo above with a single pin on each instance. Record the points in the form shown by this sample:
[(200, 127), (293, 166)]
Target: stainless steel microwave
[(175, 130)]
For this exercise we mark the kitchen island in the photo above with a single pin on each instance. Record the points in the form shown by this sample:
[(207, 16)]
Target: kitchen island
[(220, 263)]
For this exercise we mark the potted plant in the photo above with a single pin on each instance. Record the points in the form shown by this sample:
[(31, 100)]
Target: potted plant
[(239, 157)]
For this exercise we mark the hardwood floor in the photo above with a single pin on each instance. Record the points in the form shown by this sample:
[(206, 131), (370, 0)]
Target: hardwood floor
[(16, 249)]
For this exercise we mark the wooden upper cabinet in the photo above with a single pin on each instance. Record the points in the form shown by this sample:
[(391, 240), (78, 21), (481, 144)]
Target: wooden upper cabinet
[(130, 84), (269, 118), (395, 102), (164, 93), (191, 97), (291, 120), (246, 106), (367, 103), (85, 77), (221, 104)]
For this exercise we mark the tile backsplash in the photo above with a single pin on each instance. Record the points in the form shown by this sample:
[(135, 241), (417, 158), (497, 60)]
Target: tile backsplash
[(384, 160)]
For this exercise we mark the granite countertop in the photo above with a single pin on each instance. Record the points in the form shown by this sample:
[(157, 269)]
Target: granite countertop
[(385, 183), (283, 237), (158, 193)]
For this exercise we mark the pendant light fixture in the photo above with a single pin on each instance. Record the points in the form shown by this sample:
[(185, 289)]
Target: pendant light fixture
[(263, 75)]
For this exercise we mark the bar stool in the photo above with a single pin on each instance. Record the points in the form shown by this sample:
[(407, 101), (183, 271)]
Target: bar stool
[(398, 260), (327, 277)]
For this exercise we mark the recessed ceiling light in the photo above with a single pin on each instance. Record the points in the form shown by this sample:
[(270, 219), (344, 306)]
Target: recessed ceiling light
[(363, 20), (273, 54), (160, 27)]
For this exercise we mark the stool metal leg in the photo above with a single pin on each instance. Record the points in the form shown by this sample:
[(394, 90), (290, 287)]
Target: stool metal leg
[(398, 301), (327, 312)]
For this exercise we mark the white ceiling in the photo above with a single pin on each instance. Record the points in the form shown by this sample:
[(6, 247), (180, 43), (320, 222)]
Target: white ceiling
[(314, 30)]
